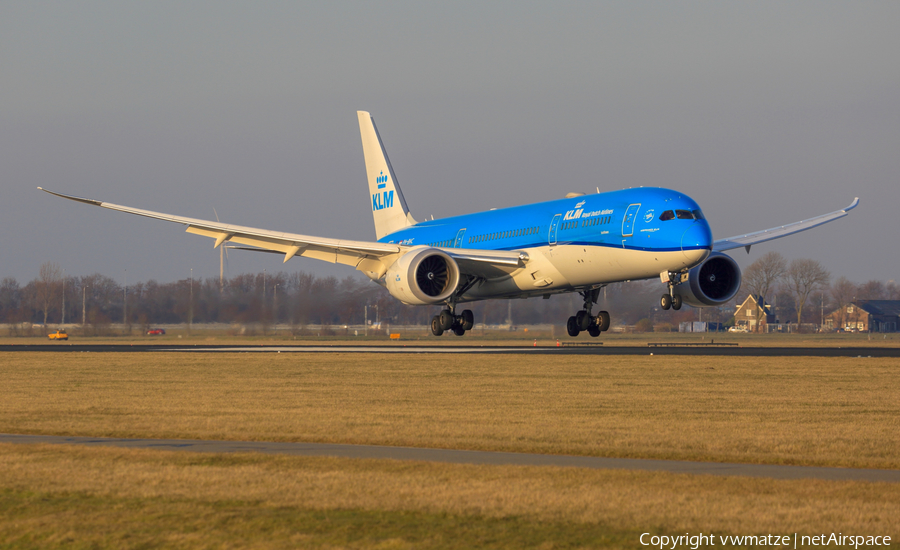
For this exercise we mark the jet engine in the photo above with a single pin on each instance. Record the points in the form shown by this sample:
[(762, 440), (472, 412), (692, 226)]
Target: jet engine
[(712, 283), (422, 276)]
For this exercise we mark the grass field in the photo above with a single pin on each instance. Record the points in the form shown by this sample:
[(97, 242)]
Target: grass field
[(834, 412), (812, 411), (104, 497)]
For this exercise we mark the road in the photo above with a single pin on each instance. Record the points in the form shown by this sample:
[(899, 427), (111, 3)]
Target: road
[(470, 457)]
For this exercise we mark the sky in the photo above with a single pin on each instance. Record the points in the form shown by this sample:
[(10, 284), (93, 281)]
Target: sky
[(765, 113)]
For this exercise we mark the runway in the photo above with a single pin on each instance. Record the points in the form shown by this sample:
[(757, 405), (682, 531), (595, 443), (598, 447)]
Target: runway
[(570, 348), (470, 457)]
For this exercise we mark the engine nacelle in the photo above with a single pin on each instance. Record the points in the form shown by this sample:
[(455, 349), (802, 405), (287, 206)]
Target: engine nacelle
[(712, 283), (422, 276)]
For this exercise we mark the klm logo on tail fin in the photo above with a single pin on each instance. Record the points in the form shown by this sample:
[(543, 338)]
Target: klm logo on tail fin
[(380, 201), (385, 199)]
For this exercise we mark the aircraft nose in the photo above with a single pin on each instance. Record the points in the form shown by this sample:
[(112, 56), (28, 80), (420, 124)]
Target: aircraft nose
[(696, 241)]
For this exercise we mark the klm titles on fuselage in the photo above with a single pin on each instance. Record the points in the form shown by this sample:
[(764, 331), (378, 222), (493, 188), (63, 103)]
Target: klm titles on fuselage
[(580, 213)]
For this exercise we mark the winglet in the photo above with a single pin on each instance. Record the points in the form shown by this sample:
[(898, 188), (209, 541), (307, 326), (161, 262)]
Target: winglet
[(71, 198), (852, 204)]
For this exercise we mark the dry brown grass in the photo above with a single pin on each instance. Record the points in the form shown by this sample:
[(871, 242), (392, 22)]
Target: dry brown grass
[(126, 483), (834, 412)]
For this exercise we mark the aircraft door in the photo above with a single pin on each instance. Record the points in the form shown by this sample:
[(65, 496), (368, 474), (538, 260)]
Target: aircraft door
[(554, 225), (628, 220), (458, 243)]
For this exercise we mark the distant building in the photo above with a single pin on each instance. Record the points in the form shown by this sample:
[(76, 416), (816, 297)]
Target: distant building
[(752, 310), (866, 316)]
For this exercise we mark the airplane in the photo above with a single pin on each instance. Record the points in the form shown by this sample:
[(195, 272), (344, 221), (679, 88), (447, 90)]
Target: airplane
[(579, 243)]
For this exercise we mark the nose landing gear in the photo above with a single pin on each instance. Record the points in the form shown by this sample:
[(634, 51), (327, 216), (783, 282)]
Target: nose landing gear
[(671, 300)]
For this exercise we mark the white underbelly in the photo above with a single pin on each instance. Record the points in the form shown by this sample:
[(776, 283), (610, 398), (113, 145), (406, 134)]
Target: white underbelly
[(564, 267)]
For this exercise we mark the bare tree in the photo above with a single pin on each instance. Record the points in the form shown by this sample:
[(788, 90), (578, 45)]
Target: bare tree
[(10, 300), (48, 285), (871, 290), (761, 277), (805, 277), (892, 290), (842, 292)]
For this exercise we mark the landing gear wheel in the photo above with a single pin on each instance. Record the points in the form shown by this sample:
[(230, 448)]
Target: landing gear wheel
[(676, 302), (594, 330), (583, 320), (603, 321), (458, 330), (446, 319), (436, 327), (468, 319), (572, 327), (665, 302)]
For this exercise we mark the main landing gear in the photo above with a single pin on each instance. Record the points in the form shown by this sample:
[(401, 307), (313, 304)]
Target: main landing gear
[(584, 321), (446, 320)]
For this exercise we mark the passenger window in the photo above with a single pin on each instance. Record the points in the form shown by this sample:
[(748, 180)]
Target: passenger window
[(684, 214), (666, 216)]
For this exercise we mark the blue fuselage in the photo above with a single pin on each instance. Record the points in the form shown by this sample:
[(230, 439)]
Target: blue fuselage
[(641, 219)]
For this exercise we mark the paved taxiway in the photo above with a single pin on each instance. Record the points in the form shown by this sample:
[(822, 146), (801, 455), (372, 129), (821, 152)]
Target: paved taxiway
[(471, 457), (569, 349)]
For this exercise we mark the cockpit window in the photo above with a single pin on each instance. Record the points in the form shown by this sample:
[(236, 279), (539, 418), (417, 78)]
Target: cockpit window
[(666, 216), (684, 214), (698, 215)]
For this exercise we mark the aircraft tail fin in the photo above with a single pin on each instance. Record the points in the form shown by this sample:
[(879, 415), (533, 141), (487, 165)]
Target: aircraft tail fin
[(388, 205)]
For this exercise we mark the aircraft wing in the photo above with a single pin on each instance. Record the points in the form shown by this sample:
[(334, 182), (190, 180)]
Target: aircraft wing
[(372, 257), (757, 237)]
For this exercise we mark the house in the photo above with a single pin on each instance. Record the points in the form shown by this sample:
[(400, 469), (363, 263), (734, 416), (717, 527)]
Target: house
[(752, 310), (866, 316)]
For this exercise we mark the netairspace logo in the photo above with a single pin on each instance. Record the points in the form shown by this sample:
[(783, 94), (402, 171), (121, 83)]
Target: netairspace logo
[(837, 540)]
